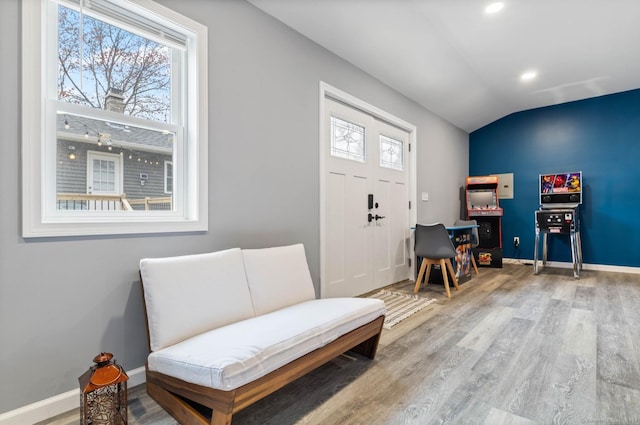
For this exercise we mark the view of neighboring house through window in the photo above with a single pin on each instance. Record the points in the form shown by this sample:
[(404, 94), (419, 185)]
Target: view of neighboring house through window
[(106, 67), (120, 92)]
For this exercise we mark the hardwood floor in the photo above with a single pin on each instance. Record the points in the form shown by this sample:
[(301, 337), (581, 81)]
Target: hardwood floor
[(509, 348)]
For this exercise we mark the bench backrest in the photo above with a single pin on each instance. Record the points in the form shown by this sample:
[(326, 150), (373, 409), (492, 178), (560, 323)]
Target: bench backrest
[(187, 295), (191, 294), (278, 277)]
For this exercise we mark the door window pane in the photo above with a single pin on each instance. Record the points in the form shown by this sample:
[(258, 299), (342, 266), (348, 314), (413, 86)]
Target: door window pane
[(168, 177), (391, 153), (104, 176), (347, 140)]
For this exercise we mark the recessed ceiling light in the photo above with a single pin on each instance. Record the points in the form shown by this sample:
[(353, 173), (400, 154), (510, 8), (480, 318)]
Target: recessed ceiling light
[(529, 75), (494, 7)]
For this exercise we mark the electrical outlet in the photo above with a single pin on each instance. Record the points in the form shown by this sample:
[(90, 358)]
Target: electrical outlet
[(516, 241)]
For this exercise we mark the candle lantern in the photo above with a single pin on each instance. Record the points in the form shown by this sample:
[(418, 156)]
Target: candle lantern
[(103, 393)]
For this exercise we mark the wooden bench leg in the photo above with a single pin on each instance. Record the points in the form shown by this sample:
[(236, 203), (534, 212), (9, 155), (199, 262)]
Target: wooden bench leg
[(182, 411), (218, 418)]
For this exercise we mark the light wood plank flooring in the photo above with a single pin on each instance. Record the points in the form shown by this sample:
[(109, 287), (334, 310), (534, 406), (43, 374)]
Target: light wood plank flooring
[(508, 348)]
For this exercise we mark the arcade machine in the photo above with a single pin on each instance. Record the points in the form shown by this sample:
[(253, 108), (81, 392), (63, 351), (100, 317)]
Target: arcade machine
[(560, 199), (482, 206)]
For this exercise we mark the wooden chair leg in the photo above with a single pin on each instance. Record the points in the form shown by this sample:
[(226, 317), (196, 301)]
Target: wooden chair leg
[(453, 273), (445, 278), (423, 265), (473, 261)]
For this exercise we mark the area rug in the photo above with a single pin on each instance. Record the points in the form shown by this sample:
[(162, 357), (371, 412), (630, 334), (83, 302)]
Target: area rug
[(400, 306)]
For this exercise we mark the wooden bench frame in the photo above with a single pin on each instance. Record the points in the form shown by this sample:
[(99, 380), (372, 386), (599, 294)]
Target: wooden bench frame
[(174, 394)]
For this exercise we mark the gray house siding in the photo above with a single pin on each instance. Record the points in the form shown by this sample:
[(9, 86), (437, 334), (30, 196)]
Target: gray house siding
[(71, 175), (72, 178), (143, 173), (154, 170)]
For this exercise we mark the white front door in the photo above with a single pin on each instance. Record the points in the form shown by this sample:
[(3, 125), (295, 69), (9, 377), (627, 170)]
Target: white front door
[(391, 201), (104, 173), (366, 202)]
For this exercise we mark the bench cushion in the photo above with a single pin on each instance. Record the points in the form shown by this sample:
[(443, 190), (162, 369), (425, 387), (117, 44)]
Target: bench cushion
[(229, 357), (278, 277), (191, 294)]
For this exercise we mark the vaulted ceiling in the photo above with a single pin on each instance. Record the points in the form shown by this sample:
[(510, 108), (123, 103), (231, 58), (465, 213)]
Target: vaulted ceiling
[(464, 64)]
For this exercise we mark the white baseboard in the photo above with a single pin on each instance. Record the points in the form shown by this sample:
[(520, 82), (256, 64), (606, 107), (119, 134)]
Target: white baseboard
[(58, 404), (567, 265)]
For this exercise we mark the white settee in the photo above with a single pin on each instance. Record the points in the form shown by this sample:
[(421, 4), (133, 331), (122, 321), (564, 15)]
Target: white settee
[(228, 328)]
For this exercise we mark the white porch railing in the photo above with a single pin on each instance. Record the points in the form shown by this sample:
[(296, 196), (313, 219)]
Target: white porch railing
[(91, 202)]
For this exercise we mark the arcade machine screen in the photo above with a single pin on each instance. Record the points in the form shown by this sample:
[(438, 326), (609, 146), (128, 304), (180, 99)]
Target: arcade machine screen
[(482, 199), (562, 188)]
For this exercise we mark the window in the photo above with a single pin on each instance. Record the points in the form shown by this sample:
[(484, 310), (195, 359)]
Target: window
[(347, 140), (391, 153), (168, 177), (114, 119)]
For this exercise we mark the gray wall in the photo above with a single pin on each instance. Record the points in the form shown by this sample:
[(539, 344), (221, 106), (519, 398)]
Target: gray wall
[(64, 300)]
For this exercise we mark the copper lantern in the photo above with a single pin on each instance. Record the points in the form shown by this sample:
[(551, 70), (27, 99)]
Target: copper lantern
[(103, 393)]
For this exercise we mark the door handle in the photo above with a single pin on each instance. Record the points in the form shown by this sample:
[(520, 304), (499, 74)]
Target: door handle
[(371, 217)]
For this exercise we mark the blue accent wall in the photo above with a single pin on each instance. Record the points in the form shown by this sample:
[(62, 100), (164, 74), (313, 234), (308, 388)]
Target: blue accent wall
[(599, 136)]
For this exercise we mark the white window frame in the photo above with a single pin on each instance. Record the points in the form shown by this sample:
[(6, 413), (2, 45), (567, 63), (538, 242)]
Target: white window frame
[(39, 215)]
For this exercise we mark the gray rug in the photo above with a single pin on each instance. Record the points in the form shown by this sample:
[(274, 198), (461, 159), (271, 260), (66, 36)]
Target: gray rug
[(400, 306)]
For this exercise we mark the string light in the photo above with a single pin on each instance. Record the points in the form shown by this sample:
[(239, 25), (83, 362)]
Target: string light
[(104, 140)]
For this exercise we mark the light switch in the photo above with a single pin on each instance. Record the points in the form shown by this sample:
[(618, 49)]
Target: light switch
[(425, 196)]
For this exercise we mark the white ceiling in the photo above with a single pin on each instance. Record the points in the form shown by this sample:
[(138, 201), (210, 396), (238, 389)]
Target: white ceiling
[(465, 65)]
